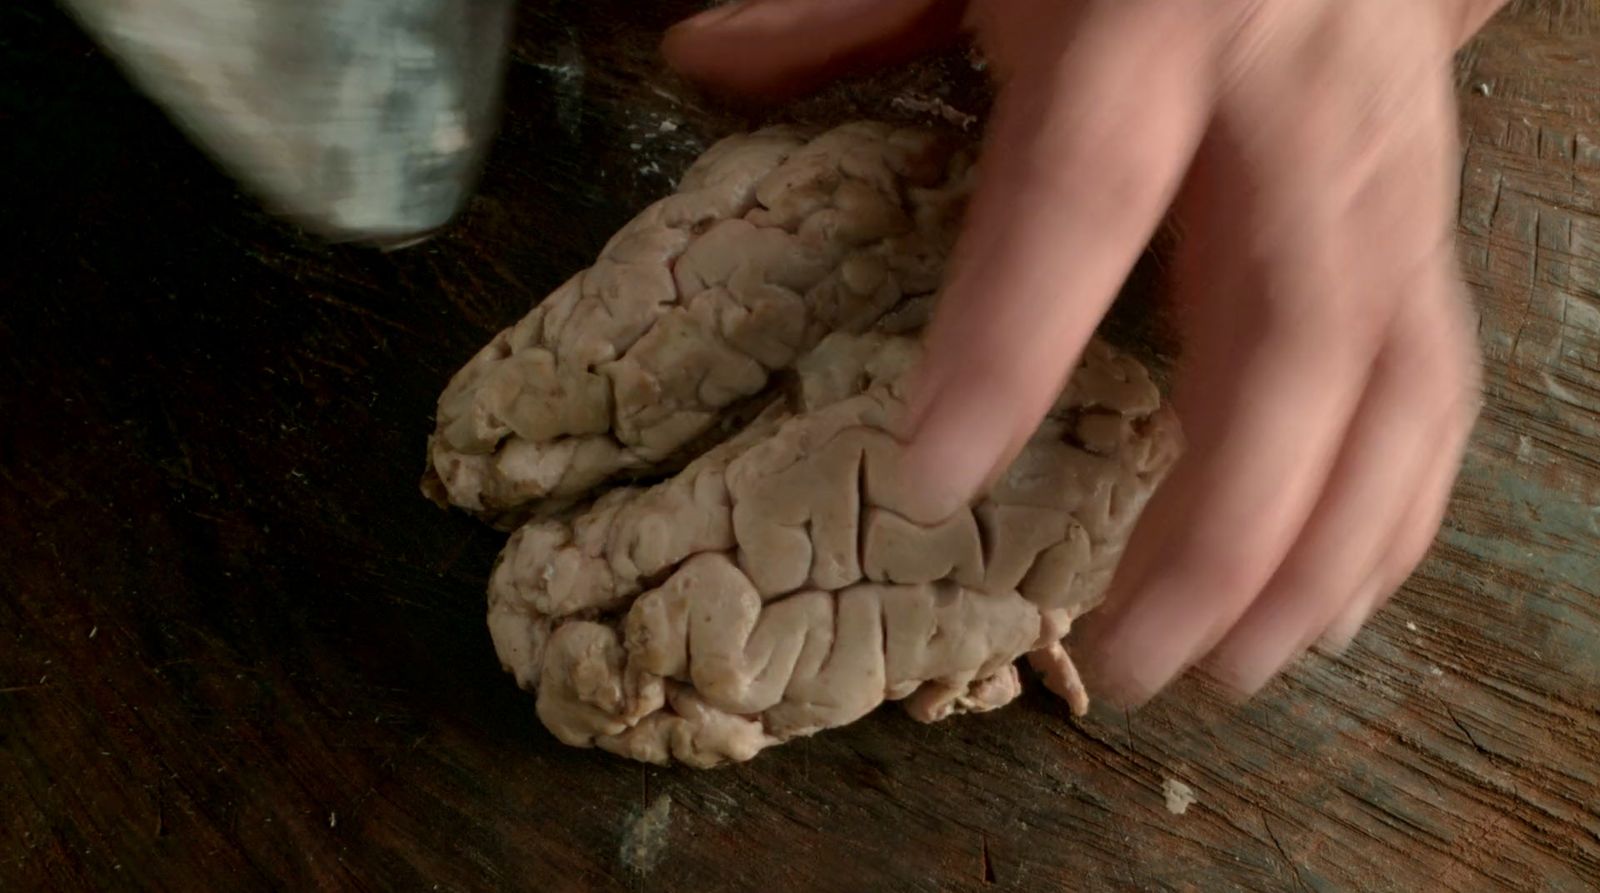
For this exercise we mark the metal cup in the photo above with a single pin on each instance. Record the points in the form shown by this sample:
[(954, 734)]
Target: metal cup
[(358, 119)]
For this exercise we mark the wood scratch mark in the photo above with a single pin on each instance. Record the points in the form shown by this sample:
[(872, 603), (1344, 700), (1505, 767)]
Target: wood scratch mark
[(329, 362), (1299, 882), (364, 313), (161, 812), (1499, 188), (1477, 832), (1471, 739), (1533, 281), (1561, 332), (382, 774), (988, 863)]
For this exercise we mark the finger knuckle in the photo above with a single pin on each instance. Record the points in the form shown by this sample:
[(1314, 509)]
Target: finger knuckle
[(1220, 568), (1343, 326)]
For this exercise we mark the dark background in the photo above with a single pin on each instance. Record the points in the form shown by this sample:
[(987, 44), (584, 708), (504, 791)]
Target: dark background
[(238, 649)]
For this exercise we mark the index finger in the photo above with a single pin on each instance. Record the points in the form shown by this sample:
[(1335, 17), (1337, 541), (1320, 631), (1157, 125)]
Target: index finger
[(1090, 137), (775, 48)]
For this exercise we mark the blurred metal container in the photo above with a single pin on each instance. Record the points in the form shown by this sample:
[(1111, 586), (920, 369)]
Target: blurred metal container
[(358, 119)]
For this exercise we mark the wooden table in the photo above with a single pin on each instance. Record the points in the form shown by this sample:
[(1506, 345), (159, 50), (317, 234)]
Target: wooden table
[(239, 652)]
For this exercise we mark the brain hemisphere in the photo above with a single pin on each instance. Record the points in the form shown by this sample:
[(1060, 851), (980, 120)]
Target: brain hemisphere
[(744, 343), (771, 242), (776, 586)]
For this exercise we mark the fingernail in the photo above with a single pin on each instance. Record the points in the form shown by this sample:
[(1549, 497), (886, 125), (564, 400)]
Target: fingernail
[(1112, 670), (1337, 640), (1244, 677), (1116, 682), (1140, 647), (1245, 669), (1342, 632), (1239, 683)]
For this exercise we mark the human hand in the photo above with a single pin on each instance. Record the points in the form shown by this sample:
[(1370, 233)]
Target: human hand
[(1331, 370)]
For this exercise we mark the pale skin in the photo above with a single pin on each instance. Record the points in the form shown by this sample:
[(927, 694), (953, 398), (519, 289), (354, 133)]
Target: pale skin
[(1330, 367)]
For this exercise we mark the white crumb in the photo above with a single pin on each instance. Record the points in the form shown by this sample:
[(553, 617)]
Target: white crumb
[(1179, 796), (936, 107)]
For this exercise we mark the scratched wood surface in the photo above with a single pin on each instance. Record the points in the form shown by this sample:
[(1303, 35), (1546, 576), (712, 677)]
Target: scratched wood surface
[(238, 651)]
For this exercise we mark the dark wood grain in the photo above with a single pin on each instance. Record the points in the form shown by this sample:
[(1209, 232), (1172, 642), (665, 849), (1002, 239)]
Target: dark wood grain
[(239, 651)]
